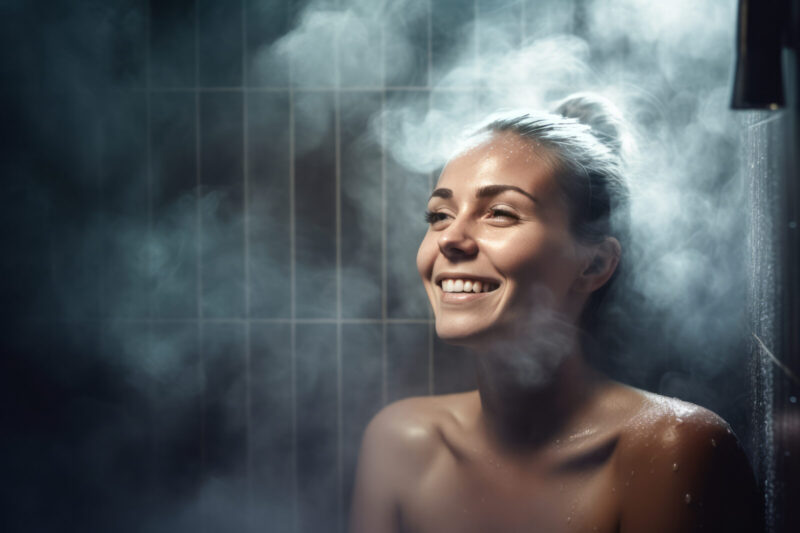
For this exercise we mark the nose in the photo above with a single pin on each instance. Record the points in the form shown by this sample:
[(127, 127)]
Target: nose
[(456, 241)]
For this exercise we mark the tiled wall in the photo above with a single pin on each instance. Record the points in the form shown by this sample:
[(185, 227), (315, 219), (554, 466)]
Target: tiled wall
[(305, 307), (216, 310), (299, 295), (219, 262)]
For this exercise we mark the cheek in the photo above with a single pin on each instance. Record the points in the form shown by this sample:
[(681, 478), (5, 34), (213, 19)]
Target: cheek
[(541, 259), (426, 255)]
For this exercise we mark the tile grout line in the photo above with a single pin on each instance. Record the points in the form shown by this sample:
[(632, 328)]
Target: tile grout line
[(309, 89), (246, 236), (476, 37), (149, 179), (429, 81), (149, 154), (293, 290), (338, 214), (236, 320), (199, 242), (431, 355), (384, 236)]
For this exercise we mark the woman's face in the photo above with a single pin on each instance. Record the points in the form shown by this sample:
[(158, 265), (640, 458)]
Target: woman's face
[(498, 220)]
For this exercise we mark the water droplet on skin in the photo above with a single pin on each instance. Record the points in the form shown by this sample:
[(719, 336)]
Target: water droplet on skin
[(613, 489), (714, 443), (633, 472), (674, 467), (627, 483), (569, 519), (687, 498)]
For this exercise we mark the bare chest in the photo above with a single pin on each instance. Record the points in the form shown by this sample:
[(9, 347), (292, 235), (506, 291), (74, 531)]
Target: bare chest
[(486, 495)]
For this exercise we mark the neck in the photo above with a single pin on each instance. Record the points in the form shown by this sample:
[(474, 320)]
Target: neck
[(528, 398)]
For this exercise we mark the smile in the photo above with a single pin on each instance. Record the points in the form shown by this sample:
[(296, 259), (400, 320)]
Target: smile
[(460, 290), (466, 285)]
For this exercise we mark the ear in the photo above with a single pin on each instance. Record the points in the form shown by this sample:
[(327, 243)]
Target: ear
[(601, 263)]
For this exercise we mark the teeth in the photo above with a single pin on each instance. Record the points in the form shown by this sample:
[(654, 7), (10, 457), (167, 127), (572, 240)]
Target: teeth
[(461, 285)]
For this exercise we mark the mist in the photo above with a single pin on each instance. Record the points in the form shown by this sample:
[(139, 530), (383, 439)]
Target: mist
[(217, 210), (666, 67)]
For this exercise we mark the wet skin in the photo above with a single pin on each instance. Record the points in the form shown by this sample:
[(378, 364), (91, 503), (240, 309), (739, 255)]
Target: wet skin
[(545, 444)]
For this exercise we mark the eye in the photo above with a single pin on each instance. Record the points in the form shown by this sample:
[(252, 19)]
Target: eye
[(432, 217), (503, 214)]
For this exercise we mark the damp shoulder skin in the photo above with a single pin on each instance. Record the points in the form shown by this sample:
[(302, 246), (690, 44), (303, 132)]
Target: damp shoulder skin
[(684, 471), (633, 462)]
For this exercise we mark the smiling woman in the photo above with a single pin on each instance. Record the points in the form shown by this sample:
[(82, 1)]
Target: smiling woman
[(489, 227), (524, 238)]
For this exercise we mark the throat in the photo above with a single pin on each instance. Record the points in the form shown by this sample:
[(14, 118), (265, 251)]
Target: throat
[(522, 415)]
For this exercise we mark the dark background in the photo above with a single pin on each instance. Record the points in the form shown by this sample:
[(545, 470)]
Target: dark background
[(208, 285)]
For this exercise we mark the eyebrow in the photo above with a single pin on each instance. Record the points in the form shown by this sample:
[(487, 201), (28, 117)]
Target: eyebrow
[(484, 192)]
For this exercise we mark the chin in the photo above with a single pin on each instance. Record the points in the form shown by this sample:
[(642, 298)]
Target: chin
[(463, 334)]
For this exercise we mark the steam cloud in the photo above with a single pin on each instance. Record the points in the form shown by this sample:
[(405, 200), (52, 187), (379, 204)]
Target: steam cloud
[(678, 314), (666, 67)]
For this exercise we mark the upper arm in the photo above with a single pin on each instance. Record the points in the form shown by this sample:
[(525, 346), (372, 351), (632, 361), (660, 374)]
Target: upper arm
[(394, 449), (692, 477)]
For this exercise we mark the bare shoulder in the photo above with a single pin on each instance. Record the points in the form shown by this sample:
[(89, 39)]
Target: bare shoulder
[(409, 430), (669, 424), (683, 463), (405, 429), (398, 447)]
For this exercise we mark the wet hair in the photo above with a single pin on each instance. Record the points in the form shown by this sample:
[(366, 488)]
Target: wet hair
[(584, 138)]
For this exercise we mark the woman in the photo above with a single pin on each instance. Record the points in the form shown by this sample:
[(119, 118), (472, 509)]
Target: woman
[(521, 245)]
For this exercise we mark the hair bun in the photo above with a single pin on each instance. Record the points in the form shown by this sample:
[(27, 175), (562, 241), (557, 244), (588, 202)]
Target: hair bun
[(597, 112)]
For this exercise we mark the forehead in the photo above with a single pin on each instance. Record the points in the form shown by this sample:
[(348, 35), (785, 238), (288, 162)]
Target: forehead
[(504, 158)]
